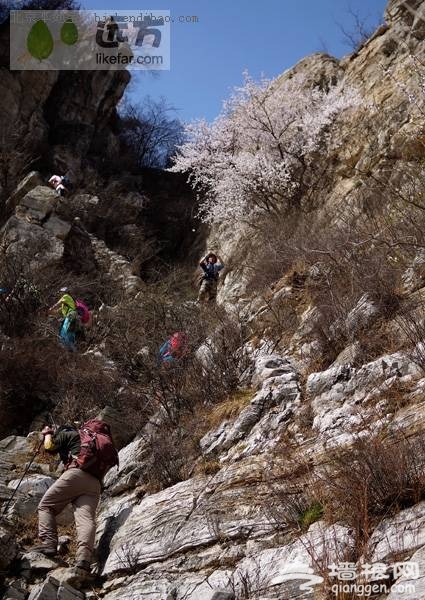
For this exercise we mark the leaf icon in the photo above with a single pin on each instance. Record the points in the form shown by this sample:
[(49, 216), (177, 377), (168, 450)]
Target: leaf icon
[(69, 33), (40, 41)]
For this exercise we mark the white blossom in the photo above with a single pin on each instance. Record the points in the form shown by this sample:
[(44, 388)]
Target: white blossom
[(254, 157)]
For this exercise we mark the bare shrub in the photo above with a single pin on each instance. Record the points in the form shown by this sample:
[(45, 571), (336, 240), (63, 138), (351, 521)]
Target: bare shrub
[(151, 132), (19, 306), (39, 377), (129, 558), (295, 502), (412, 323), (357, 33), (131, 335), (370, 480), (342, 265), (250, 582), (183, 392), (28, 378), (172, 451)]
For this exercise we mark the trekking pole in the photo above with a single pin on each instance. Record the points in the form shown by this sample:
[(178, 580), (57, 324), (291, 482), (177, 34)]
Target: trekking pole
[(21, 479)]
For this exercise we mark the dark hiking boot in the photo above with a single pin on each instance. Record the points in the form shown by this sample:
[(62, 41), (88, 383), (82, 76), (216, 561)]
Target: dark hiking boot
[(84, 565), (46, 550)]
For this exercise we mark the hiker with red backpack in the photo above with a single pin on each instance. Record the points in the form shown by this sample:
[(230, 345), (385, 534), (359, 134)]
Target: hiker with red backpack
[(174, 348), (87, 455)]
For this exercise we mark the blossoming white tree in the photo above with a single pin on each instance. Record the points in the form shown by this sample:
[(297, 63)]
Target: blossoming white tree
[(259, 154)]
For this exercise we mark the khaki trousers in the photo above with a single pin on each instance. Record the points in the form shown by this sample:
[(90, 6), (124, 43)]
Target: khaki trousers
[(83, 491), (207, 290)]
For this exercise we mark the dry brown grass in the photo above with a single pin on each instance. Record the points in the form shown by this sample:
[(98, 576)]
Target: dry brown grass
[(397, 397), (228, 409), (207, 467), (27, 530)]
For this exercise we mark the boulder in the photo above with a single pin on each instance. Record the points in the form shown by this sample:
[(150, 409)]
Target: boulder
[(190, 515), (340, 394), (78, 253), (38, 203), (84, 206), (30, 181), (16, 591), (362, 315), (26, 242), (27, 499), (270, 365), (399, 534), (278, 390), (121, 432), (58, 227), (29, 494), (34, 485), (33, 563), (129, 208), (17, 445), (53, 589), (70, 578), (411, 586)]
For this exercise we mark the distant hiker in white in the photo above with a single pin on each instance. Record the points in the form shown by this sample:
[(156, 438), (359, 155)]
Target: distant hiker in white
[(59, 183)]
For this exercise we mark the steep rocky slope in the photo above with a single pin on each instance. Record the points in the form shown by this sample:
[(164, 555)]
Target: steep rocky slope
[(300, 448)]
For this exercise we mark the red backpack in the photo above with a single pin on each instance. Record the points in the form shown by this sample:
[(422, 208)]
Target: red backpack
[(98, 453), (178, 344), (83, 311)]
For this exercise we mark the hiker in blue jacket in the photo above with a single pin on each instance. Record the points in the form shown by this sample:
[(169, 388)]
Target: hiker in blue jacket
[(211, 266)]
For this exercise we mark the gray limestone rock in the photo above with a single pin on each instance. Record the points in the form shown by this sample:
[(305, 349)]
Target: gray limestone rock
[(21, 239), (15, 592), (8, 547), (277, 390), (270, 365), (58, 227), (53, 589), (30, 181), (399, 534), (78, 254), (411, 585), (121, 431), (35, 563), (362, 315), (39, 203)]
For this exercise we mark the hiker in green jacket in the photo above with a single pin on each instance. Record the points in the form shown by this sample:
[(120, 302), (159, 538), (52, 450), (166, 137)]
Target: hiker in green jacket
[(70, 323)]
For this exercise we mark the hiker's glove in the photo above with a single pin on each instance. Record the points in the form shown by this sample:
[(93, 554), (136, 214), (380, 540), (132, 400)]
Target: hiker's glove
[(47, 431)]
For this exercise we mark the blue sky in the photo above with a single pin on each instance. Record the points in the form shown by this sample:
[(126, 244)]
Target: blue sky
[(208, 57)]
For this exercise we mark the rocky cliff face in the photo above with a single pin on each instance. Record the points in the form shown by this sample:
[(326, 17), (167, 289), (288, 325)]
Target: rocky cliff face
[(300, 448), (61, 121), (379, 139)]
